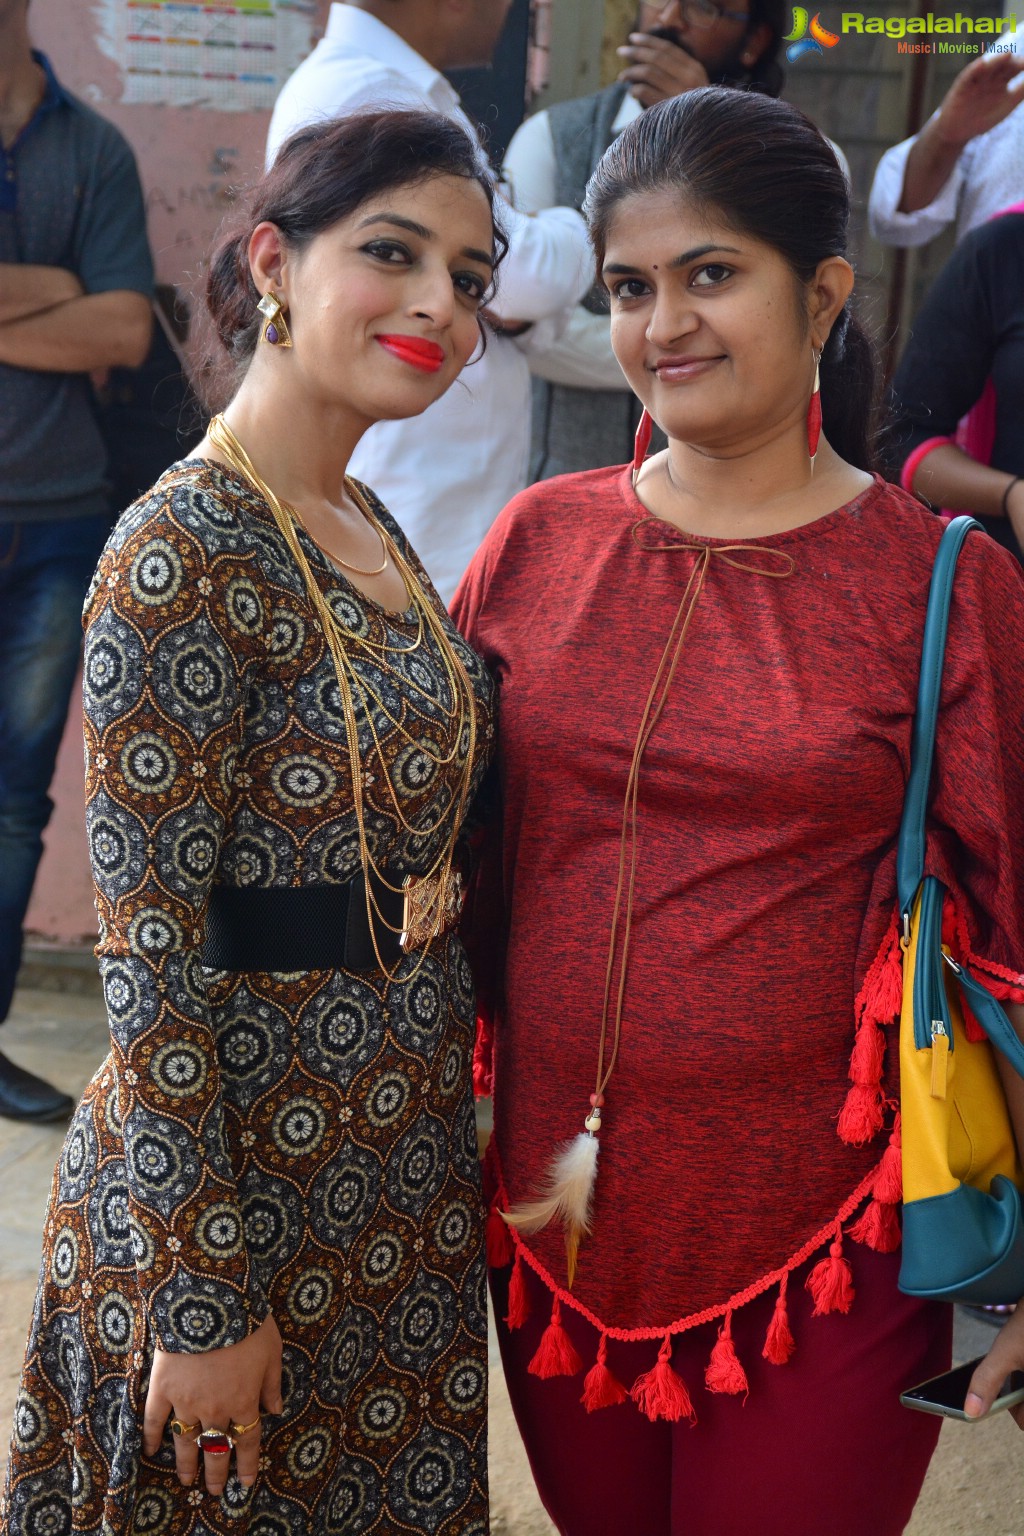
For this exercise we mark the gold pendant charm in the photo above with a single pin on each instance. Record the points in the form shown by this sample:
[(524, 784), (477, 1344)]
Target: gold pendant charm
[(432, 905)]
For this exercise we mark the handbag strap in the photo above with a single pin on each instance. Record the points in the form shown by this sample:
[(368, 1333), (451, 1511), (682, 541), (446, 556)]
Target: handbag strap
[(910, 846)]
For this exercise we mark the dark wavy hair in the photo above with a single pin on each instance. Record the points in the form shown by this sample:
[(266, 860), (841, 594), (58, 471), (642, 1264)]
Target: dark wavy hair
[(763, 168), (321, 175)]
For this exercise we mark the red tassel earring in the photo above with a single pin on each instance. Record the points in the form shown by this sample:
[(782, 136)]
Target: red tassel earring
[(814, 411), (642, 441)]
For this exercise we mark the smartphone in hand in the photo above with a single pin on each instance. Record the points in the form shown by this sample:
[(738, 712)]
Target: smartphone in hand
[(945, 1394)]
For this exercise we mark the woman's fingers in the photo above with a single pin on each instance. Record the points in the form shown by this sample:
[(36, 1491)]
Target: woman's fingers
[(1006, 1355), (270, 1389), (186, 1452), (216, 1449), (247, 1448), (154, 1418)]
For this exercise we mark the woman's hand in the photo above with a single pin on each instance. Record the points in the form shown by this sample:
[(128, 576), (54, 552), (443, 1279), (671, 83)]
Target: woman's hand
[(214, 1391), (1006, 1355)]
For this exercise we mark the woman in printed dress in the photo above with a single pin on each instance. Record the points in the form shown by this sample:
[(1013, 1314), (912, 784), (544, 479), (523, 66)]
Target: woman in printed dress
[(707, 669), (263, 1245)]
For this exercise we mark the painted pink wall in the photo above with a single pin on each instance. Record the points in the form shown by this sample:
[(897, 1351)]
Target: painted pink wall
[(189, 159)]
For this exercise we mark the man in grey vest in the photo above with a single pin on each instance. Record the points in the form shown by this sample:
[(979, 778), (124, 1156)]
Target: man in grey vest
[(584, 414)]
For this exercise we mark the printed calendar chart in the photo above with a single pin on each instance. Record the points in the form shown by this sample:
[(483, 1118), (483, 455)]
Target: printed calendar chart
[(232, 56)]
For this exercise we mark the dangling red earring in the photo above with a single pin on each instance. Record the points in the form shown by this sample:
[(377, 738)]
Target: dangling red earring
[(642, 441), (814, 411)]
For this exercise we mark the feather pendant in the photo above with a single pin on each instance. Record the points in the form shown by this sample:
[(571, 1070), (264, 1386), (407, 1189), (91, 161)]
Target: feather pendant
[(568, 1193)]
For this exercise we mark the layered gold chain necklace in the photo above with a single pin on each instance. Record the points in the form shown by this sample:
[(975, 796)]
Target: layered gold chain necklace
[(433, 885)]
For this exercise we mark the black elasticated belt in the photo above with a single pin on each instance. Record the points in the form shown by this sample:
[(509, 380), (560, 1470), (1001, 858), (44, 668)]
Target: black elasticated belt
[(301, 927)]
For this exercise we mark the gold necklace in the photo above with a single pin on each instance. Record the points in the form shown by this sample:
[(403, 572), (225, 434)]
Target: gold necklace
[(463, 702), (218, 424), (357, 570)]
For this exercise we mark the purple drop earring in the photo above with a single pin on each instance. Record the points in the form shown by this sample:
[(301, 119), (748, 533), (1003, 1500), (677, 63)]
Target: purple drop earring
[(275, 332)]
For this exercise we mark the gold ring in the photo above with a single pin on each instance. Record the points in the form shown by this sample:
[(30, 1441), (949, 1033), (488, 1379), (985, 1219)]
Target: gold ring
[(243, 1429), (179, 1428)]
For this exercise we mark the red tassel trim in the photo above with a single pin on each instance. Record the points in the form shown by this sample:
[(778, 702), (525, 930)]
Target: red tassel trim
[(779, 1343), (881, 996), (483, 1059), (601, 1389), (867, 1056), (861, 1116), (878, 1227), (830, 1282), (888, 1185), (661, 1393), (724, 1372), (499, 1244), (518, 1300), (556, 1355)]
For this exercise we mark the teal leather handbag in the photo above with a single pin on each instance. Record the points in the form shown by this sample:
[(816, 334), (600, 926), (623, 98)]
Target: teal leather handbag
[(963, 1215)]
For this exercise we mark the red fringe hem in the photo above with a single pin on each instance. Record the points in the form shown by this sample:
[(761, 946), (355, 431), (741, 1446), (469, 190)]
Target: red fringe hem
[(661, 1393)]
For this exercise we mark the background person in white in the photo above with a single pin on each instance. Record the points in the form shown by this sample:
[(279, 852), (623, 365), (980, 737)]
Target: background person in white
[(967, 162), (449, 472)]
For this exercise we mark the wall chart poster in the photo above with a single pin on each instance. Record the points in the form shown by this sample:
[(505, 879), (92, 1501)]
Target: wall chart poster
[(231, 55)]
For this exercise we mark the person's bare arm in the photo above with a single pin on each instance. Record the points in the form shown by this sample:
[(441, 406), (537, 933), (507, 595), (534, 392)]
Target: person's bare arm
[(26, 289), (1007, 1352), (948, 477), (96, 330), (979, 98)]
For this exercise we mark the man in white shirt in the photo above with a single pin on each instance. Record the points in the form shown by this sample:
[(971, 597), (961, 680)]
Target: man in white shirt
[(446, 474), (584, 413), (966, 164)]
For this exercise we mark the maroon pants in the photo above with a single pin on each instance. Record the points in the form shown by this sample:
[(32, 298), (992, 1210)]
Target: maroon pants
[(821, 1444)]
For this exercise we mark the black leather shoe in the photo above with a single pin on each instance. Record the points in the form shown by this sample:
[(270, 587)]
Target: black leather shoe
[(23, 1096)]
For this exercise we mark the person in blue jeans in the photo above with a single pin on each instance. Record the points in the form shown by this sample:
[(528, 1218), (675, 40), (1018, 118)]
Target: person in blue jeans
[(76, 280)]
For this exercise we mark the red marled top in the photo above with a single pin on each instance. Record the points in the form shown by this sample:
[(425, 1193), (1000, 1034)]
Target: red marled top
[(770, 801)]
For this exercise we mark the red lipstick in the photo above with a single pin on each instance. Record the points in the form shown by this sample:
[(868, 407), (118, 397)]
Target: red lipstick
[(419, 353)]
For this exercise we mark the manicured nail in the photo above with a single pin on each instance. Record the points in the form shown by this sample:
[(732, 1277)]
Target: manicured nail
[(974, 1406), (246, 1482)]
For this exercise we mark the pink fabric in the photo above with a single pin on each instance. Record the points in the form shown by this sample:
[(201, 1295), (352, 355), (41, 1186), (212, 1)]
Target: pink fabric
[(917, 458)]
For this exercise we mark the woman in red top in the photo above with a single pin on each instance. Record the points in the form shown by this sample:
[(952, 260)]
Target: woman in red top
[(707, 673)]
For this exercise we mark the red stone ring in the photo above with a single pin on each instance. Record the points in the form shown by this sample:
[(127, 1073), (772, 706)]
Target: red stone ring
[(215, 1442)]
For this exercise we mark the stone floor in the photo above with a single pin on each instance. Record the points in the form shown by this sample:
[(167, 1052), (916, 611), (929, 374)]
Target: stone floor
[(975, 1486)]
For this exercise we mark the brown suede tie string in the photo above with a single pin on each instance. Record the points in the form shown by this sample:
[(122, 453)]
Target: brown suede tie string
[(774, 564)]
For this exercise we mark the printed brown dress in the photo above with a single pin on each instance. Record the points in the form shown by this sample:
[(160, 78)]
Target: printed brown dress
[(302, 1143)]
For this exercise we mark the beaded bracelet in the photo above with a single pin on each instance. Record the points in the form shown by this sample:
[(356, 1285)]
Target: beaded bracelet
[(1006, 494)]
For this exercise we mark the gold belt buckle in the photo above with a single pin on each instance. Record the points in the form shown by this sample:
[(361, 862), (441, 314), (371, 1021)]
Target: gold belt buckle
[(431, 905)]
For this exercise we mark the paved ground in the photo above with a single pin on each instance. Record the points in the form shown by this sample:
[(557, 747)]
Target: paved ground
[(975, 1486)]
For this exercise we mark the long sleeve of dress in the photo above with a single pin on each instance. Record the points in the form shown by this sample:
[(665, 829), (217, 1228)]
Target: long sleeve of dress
[(175, 622)]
